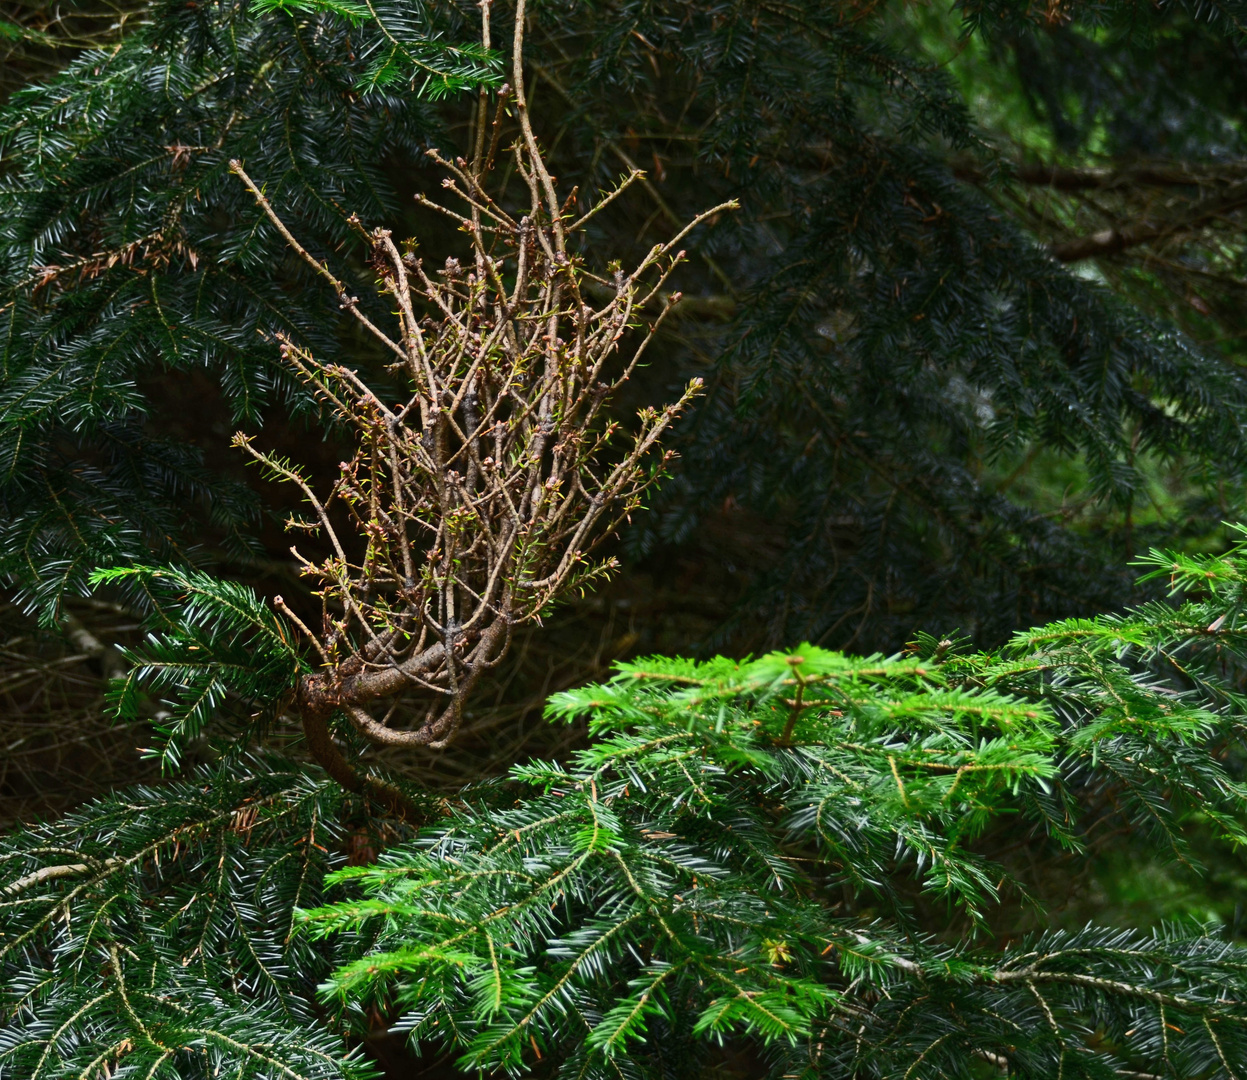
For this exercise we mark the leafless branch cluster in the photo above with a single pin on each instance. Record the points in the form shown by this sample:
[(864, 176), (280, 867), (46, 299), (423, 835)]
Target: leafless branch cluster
[(477, 500)]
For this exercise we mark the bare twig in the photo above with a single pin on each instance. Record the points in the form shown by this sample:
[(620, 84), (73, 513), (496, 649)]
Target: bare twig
[(477, 501)]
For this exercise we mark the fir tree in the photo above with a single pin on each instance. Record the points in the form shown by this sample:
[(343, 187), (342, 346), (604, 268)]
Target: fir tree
[(899, 352), (730, 859), (820, 861), (802, 854)]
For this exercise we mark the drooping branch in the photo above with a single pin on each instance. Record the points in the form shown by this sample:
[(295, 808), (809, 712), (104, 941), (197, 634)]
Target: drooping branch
[(1138, 204), (1113, 241)]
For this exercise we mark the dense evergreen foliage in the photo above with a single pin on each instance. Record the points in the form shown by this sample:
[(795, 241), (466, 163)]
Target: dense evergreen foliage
[(898, 356), (129, 249), (738, 851), (160, 947), (967, 341), (805, 851)]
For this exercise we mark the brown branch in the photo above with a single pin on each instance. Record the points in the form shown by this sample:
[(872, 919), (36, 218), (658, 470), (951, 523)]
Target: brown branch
[(1225, 193), (475, 503), (1115, 240), (51, 873)]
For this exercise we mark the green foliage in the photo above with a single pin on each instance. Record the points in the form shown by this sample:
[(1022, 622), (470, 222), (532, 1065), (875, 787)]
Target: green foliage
[(898, 347), (128, 250), (900, 343), (148, 933), (404, 48), (218, 642), (14, 32), (820, 864), (732, 858), (809, 858)]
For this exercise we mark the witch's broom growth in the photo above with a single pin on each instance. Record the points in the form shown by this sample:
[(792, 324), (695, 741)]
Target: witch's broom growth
[(477, 500)]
